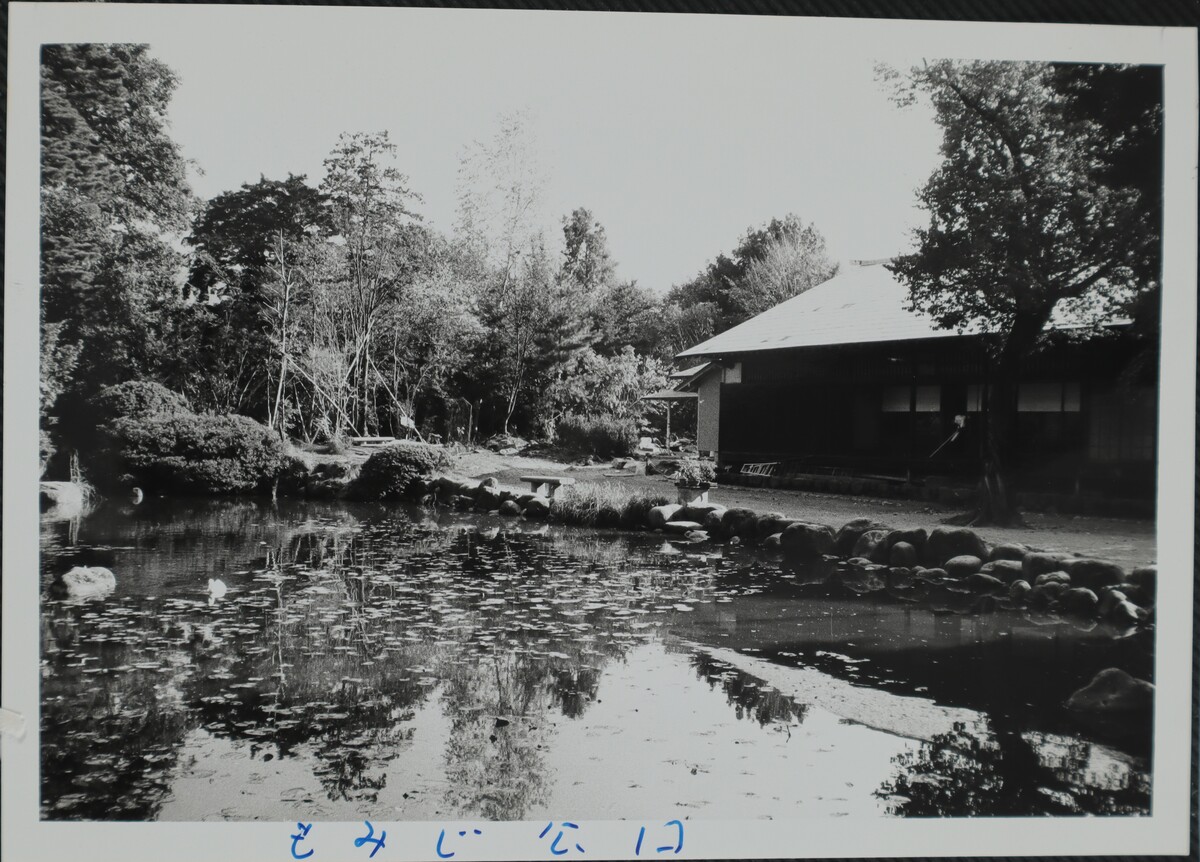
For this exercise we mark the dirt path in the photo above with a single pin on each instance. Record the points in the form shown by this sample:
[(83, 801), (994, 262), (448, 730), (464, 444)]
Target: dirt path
[(1125, 541)]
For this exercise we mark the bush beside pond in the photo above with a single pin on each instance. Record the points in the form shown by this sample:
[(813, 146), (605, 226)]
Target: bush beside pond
[(189, 453), (393, 472)]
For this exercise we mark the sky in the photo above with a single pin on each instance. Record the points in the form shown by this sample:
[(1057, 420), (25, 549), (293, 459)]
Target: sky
[(677, 138)]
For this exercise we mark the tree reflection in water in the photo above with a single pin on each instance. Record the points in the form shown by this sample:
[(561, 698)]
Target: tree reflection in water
[(1011, 774), (750, 698)]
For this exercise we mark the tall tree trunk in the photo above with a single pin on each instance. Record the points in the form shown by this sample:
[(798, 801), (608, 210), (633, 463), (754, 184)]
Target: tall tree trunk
[(997, 500)]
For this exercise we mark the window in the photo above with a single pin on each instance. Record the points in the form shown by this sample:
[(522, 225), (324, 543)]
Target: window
[(897, 399), (1048, 398)]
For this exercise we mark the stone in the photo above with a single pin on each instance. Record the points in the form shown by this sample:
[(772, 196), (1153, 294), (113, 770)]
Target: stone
[(1008, 551), (1126, 613), (696, 536), (1146, 577), (734, 522), (917, 538), (1113, 691), (772, 544), (1093, 574), (806, 542), (487, 498), (712, 521), (933, 574), (1019, 591), (682, 526), (89, 582), (462, 502), (848, 535), (902, 554), (899, 577), (659, 515), (945, 543), (1037, 563), (700, 511), (774, 522), (537, 508), (510, 508), (978, 582), (1043, 595), (1053, 578), (1006, 570), (1079, 602), (1110, 597), (963, 565), (1136, 593), (858, 561), (872, 545), (489, 482)]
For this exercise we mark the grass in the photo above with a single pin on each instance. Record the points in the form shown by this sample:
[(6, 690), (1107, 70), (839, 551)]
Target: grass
[(603, 504)]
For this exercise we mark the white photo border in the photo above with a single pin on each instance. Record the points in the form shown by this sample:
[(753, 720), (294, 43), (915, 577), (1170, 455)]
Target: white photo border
[(1166, 831)]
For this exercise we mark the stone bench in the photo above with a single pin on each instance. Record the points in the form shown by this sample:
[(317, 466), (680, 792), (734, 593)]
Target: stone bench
[(372, 441), (546, 485)]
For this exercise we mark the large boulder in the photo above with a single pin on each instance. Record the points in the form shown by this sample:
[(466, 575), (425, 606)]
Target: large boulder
[(772, 544), (978, 582), (737, 522), (510, 508), (487, 497), (771, 523), (699, 511), (945, 543), (712, 521), (806, 542), (88, 582), (1037, 563), (1043, 595), (872, 544), (1052, 578), (848, 535), (917, 538), (1019, 591), (1126, 613), (1146, 577), (537, 508), (1008, 551), (1006, 570), (1113, 691), (1078, 602), (1093, 574), (659, 515), (902, 554), (682, 527), (963, 565)]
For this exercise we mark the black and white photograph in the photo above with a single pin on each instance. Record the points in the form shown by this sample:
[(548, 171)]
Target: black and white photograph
[(532, 434)]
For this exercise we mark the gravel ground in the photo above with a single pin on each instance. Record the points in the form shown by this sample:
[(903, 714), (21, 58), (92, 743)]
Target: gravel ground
[(1128, 542)]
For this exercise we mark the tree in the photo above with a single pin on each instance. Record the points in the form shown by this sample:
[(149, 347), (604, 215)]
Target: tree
[(771, 263), (586, 259), (114, 194), (237, 242), (790, 261), (1028, 215)]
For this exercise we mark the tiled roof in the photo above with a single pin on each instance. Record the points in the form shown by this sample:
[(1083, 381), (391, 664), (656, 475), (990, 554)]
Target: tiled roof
[(863, 303)]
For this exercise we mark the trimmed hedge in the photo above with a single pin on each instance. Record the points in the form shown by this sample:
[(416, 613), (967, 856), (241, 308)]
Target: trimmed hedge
[(604, 437), (187, 453), (389, 473)]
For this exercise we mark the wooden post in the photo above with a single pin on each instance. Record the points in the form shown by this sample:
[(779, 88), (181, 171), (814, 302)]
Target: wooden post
[(667, 441)]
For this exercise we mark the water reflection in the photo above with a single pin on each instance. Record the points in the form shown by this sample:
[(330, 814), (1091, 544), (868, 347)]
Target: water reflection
[(424, 665)]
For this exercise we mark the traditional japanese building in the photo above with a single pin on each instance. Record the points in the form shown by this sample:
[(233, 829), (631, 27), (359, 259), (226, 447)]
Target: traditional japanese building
[(845, 378)]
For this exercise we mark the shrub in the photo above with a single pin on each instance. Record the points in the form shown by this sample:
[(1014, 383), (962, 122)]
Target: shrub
[(604, 437), (388, 473), (598, 504), (189, 453), (133, 399)]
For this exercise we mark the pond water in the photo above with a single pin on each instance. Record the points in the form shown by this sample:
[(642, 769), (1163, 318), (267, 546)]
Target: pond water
[(399, 664)]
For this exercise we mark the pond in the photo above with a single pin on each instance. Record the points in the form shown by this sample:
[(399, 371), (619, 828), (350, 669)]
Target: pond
[(392, 663)]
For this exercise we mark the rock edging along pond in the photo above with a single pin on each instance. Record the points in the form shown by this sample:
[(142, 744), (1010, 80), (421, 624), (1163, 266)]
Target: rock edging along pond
[(946, 568)]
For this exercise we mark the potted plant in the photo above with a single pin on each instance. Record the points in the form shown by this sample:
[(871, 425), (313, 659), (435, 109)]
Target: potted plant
[(692, 481)]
